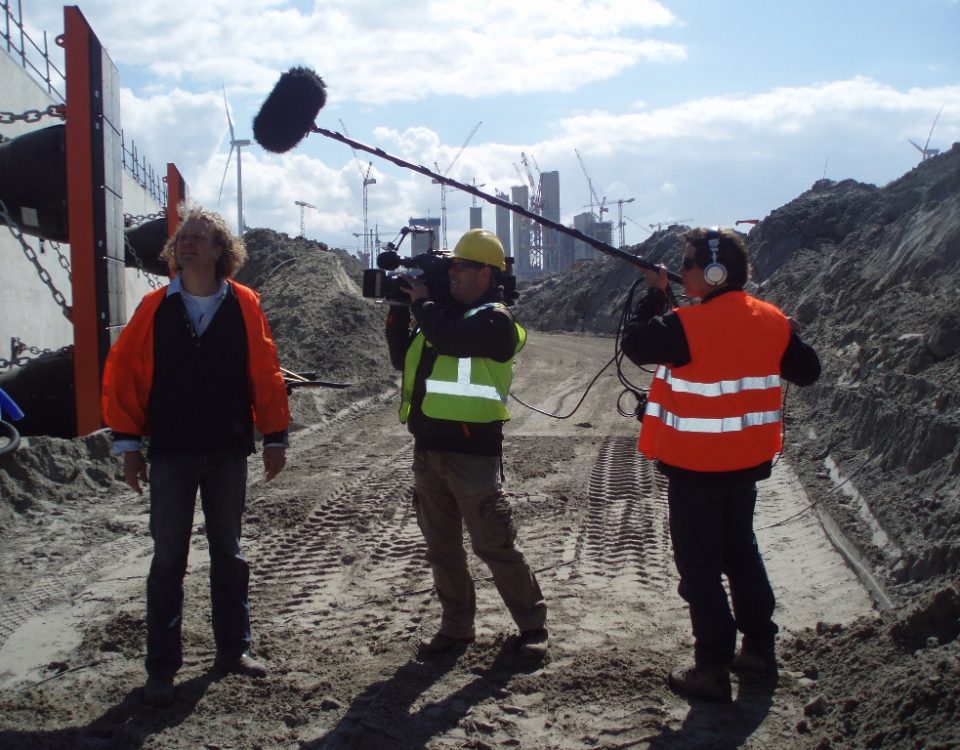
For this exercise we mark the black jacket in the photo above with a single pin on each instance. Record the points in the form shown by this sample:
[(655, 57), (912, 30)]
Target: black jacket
[(200, 398)]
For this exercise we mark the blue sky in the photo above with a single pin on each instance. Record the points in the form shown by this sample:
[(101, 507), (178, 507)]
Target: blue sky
[(705, 111)]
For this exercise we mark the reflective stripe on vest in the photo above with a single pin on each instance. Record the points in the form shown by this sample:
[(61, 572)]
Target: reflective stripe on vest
[(720, 388), (713, 426), (462, 386)]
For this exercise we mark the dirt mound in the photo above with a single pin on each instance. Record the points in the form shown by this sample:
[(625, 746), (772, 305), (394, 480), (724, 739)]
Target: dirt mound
[(873, 275), (591, 297), (881, 683), (321, 322)]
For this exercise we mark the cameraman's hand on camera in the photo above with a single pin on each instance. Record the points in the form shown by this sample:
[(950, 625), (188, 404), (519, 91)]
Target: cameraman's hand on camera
[(415, 289)]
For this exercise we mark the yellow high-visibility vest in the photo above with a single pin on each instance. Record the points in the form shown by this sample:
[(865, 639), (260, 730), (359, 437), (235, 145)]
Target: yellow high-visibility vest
[(461, 389)]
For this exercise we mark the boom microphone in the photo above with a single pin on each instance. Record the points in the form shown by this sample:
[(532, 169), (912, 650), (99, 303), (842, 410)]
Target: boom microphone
[(289, 112)]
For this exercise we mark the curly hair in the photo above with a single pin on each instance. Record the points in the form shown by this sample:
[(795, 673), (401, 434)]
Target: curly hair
[(233, 251)]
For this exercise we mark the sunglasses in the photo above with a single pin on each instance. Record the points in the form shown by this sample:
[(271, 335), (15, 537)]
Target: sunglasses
[(459, 265), (688, 263)]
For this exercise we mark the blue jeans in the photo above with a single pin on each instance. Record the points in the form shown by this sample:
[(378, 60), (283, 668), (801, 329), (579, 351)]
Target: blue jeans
[(712, 532), (174, 481)]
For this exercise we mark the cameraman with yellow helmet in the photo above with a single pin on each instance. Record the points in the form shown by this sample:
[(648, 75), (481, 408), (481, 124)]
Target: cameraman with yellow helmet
[(457, 364)]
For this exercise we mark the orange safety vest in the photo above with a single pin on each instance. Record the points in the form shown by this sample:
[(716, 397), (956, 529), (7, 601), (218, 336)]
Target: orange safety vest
[(721, 411), (128, 372)]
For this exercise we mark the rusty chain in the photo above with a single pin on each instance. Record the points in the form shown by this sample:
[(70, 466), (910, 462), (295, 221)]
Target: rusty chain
[(34, 115), (32, 257), (19, 359), (151, 280), (131, 220)]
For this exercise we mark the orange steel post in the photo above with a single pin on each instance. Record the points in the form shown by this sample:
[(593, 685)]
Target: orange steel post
[(83, 312), (176, 194), (94, 210)]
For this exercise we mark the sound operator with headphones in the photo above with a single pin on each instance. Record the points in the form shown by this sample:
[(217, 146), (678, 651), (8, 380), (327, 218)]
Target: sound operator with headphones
[(713, 424)]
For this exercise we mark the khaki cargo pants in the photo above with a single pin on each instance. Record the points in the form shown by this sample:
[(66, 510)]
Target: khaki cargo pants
[(453, 489)]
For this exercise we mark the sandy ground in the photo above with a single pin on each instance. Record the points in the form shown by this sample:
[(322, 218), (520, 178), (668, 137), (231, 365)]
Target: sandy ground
[(341, 595)]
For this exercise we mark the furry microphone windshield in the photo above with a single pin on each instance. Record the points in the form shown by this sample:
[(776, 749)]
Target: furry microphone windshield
[(289, 112)]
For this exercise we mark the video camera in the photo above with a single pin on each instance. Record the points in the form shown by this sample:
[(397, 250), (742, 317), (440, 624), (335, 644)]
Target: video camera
[(432, 267), (383, 282)]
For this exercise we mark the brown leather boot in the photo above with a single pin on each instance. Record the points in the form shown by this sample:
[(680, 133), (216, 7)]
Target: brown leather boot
[(159, 692), (759, 662), (243, 664), (706, 683), (441, 643)]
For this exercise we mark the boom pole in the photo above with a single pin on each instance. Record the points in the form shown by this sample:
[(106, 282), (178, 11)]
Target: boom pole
[(596, 244)]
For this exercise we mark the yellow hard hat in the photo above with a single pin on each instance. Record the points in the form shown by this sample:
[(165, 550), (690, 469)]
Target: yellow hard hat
[(482, 246)]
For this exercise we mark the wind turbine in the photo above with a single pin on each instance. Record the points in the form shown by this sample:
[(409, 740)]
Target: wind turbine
[(234, 144), (925, 152)]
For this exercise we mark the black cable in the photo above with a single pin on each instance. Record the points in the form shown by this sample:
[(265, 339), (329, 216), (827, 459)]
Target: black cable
[(566, 416), (639, 392)]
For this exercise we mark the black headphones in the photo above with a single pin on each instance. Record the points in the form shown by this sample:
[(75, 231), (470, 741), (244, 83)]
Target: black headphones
[(714, 273)]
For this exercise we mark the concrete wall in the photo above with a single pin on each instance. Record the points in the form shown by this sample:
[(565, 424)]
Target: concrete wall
[(28, 310)]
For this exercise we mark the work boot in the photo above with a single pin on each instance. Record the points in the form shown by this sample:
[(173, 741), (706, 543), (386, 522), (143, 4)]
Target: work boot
[(159, 692), (749, 660), (706, 683), (243, 664), (441, 643), (532, 644)]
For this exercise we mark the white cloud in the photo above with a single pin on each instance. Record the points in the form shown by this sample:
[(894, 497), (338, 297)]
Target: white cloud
[(712, 158), (379, 52)]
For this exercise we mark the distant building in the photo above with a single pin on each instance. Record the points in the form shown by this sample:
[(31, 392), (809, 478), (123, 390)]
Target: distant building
[(599, 230), (550, 209), (502, 218), (520, 194), (422, 242)]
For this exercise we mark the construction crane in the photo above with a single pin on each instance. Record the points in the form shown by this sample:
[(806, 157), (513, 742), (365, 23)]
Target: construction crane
[(482, 184), (594, 200), (367, 181), (620, 222), (303, 205), (634, 221), (443, 186), (536, 205), (671, 223)]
